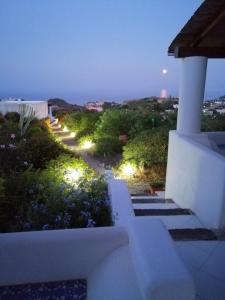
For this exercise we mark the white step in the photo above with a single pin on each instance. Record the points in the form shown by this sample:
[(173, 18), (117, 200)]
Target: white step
[(145, 197), (154, 205)]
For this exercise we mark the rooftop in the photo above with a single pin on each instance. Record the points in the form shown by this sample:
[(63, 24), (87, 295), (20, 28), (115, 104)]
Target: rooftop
[(203, 34)]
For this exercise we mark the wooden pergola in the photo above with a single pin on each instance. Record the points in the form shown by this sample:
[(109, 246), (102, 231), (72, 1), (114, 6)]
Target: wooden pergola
[(203, 34)]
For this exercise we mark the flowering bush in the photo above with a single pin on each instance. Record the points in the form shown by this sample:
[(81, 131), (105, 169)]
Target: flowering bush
[(12, 158), (43, 187), (49, 199), (34, 149)]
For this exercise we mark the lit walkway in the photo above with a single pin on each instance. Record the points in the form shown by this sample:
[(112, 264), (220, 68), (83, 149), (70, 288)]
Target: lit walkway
[(68, 141)]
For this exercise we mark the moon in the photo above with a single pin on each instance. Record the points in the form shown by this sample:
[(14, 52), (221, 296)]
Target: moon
[(164, 71)]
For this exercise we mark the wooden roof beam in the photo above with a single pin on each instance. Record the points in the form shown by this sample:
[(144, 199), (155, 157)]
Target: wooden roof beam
[(211, 25), (210, 52)]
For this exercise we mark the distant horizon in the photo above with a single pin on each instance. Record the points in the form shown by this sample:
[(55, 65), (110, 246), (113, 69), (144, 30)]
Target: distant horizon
[(98, 99)]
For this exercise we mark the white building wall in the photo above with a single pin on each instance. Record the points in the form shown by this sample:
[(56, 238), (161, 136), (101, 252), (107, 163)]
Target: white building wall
[(196, 178), (40, 107)]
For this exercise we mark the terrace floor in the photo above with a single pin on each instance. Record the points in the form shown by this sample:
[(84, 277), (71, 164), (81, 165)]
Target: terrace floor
[(206, 262), (202, 252)]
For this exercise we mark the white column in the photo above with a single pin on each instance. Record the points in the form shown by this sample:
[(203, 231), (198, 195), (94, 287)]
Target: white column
[(192, 88)]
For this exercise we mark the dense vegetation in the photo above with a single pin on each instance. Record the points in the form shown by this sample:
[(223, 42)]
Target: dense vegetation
[(44, 186), (138, 131)]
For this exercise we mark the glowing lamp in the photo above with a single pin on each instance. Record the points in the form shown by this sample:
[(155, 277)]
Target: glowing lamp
[(65, 129), (72, 175), (128, 170), (73, 134), (87, 145)]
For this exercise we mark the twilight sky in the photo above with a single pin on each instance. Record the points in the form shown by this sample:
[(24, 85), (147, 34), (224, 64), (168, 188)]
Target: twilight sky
[(84, 50)]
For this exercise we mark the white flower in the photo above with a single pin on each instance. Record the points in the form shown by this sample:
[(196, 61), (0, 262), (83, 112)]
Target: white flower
[(12, 146)]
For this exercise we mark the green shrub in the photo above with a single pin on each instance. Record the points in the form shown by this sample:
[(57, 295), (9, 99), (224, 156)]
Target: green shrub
[(108, 145), (48, 200), (213, 123), (148, 148), (36, 148), (40, 148), (82, 122), (115, 122), (2, 119), (12, 116), (12, 158)]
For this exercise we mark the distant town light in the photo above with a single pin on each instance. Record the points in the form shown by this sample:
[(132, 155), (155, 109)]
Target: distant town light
[(163, 93)]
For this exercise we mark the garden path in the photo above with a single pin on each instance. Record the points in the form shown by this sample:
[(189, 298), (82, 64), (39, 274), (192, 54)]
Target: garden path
[(69, 141)]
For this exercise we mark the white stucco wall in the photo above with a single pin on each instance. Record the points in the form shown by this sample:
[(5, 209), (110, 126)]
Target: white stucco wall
[(126, 262), (122, 209), (55, 254), (196, 178), (40, 107)]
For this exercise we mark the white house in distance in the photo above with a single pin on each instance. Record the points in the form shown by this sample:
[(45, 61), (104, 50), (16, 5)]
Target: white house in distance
[(40, 107), (95, 105), (196, 161)]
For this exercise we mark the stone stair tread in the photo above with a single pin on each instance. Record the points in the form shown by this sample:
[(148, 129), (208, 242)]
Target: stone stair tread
[(56, 130), (192, 234), (162, 212), (69, 142), (62, 133), (151, 200)]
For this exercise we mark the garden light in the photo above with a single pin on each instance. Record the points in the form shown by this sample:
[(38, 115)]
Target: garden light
[(59, 125), (87, 144), (72, 175), (65, 129), (72, 134), (128, 170)]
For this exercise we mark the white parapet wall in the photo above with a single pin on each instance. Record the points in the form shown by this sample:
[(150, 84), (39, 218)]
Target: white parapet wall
[(122, 210), (119, 262), (55, 255), (196, 177), (40, 107)]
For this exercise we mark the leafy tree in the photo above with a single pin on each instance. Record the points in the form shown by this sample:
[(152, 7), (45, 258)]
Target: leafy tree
[(115, 122), (213, 123), (83, 122)]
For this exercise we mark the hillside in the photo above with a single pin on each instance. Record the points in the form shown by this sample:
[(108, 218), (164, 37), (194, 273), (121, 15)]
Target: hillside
[(61, 104)]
